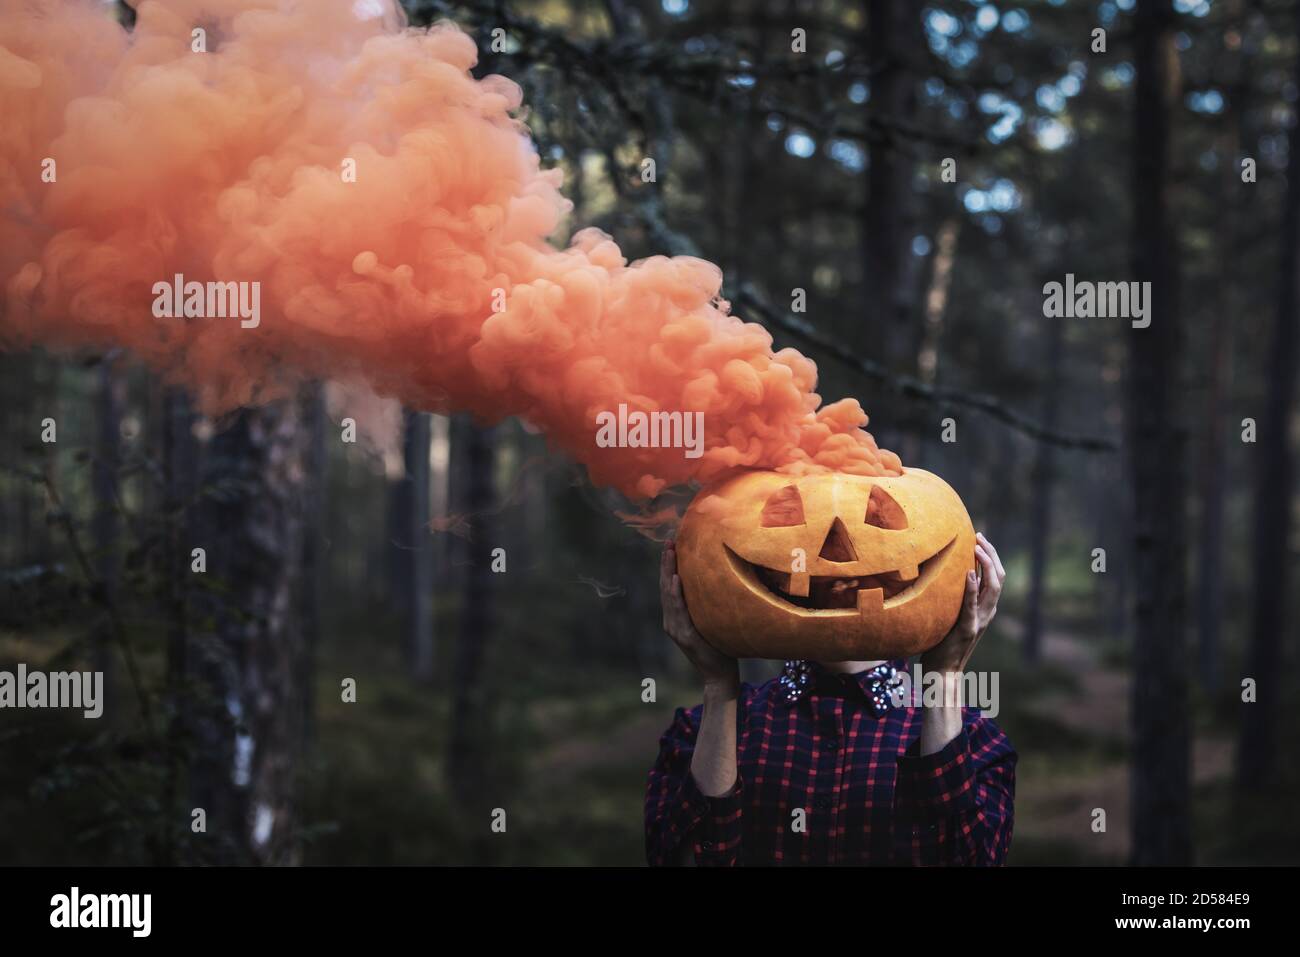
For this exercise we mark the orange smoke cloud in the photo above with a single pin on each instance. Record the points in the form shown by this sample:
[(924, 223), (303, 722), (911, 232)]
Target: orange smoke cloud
[(428, 274)]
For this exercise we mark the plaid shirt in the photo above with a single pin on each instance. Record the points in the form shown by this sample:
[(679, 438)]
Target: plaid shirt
[(866, 793)]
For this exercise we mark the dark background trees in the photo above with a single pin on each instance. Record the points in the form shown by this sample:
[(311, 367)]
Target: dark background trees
[(370, 562)]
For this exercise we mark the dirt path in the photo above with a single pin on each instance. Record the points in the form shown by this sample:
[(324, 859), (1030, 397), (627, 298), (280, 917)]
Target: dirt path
[(1057, 806)]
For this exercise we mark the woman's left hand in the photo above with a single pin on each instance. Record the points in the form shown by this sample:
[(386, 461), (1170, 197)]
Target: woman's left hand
[(978, 608)]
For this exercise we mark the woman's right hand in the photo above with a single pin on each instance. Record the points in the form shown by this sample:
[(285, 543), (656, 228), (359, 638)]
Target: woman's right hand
[(720, 672)]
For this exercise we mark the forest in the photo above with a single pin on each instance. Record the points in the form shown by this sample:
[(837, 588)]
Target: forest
[(346, 616)]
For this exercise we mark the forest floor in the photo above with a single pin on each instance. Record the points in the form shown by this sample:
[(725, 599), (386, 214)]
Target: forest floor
[(571, 757)]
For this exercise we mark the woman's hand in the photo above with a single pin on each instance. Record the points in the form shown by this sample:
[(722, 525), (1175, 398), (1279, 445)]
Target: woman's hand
[(719, 671), (940, 725), (977, 610)]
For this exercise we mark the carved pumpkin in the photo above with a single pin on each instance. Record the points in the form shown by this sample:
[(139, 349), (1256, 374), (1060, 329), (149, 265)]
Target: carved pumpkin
[(831, 567)]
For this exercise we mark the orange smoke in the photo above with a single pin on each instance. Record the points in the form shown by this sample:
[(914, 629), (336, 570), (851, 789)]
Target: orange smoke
[(430, 275)]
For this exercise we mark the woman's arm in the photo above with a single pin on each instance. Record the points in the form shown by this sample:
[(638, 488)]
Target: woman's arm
[(948, 658), (693, 796), (955, 799), (714, 761), (957, 805)]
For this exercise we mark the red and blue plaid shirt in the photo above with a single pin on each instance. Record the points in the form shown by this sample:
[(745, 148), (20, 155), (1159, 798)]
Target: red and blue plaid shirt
[(856, 782)]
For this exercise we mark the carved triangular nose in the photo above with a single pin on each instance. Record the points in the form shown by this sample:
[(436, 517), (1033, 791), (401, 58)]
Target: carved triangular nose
[(838, 547)]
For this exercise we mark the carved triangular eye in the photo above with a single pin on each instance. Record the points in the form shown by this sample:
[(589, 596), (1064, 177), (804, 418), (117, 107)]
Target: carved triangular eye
[(883, 511), (784, 507)]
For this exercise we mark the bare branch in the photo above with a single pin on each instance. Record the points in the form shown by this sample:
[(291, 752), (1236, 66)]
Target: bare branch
[(911, 388)]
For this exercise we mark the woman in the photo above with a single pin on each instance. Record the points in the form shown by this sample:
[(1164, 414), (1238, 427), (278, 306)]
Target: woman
[(822, 765)]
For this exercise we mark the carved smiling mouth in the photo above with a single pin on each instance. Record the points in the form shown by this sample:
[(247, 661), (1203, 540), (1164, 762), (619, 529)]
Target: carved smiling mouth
[(851, 594)]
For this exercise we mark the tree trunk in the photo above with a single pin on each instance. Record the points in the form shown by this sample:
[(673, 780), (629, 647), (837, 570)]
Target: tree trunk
[(1214, 466), (105, 524), (1256, 757), (888, 331), (1041, 509), (51, 400), (415, 546), (251, 662), (180, 471), (466, 761), (922, 447), (440, 508), (1210, 584), (314, 565), (1161, 822)]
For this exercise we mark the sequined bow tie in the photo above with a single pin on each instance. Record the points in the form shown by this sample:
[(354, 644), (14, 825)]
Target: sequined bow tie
[(882, 682)]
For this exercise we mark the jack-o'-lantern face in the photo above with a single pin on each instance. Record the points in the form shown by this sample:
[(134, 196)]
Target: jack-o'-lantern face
[(831, 567)]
